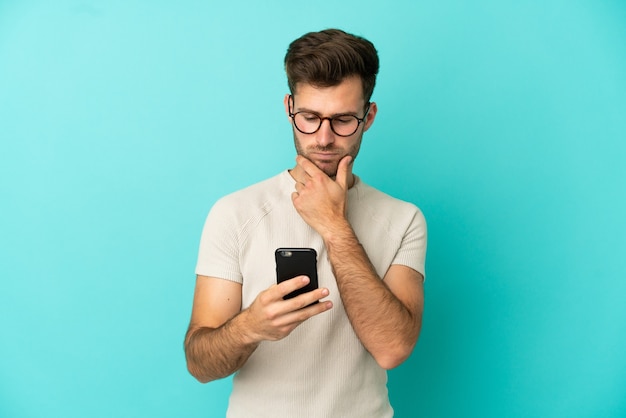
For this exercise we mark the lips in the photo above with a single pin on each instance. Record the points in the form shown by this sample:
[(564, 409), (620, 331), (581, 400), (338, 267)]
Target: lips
[(325, 154)]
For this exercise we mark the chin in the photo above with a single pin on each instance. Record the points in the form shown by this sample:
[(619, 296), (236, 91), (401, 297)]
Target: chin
[(328, 167)]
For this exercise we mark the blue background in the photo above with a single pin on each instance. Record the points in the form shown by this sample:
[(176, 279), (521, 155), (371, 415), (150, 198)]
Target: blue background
[(121, 122)]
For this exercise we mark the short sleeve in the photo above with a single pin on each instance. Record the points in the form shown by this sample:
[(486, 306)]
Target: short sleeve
[(412, 251), (218, 255)]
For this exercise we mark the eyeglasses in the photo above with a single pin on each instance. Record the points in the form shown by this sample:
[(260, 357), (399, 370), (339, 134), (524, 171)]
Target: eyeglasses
[(341, 125)]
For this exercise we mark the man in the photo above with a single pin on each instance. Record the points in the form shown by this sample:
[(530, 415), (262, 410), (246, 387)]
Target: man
[(293, 358)]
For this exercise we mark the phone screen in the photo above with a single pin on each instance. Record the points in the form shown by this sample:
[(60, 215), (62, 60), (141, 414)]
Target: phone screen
[(292, 262)]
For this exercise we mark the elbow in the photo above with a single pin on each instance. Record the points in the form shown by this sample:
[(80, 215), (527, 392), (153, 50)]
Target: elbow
[(197, 374), (393, 358), (192, 358), (195, 369), (390, 363), (393, 355), (202, 379)]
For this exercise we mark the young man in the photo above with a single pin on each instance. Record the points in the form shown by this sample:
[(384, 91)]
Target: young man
[(293, 358)]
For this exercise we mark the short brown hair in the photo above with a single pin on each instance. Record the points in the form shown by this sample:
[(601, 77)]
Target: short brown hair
[(326, 58)]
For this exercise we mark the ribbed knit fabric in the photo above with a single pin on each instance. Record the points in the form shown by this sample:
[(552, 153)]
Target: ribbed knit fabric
[(321, 370)]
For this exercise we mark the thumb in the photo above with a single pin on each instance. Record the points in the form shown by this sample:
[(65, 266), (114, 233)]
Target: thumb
[(344, 172)]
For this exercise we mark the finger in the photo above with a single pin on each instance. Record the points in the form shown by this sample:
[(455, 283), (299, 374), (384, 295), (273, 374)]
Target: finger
[(305, 309), (307, 166), (344, 170), (308, 298), (288, 286)]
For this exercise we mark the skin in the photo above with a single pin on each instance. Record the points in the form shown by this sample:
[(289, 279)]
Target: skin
[(385, 314)]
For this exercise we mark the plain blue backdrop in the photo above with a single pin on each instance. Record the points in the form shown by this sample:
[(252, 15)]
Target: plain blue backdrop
[(121, 122)]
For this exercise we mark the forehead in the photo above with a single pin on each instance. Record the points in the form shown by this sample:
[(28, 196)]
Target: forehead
[(346, 96)]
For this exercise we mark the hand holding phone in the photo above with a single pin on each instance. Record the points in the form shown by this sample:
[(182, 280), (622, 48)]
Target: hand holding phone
[(269, 317), (292, 262)]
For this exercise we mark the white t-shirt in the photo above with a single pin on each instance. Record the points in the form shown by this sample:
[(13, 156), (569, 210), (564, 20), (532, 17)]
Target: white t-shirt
[(321, 369)]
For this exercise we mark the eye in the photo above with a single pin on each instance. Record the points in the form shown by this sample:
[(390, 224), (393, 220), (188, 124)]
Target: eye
[(309, 117), (344, 120)]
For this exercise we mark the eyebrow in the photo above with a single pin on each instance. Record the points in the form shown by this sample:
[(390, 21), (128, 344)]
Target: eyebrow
[(334, 115)]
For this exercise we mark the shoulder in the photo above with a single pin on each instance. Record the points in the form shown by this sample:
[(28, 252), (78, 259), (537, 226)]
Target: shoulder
[(254, 195), (384, 208), (380, 201), (240, 210)]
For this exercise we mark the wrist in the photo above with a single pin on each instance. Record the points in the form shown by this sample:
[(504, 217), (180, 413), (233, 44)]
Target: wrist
[(337, 233), (240, 327)]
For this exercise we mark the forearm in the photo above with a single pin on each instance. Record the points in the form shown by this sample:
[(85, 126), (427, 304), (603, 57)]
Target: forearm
[(385, 326), (214, 353)]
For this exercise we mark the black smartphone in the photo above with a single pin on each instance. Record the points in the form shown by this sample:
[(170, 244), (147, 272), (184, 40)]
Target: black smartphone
[(292, 262)]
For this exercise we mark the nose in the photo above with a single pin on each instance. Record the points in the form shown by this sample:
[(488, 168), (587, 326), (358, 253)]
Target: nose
[(325, 135)]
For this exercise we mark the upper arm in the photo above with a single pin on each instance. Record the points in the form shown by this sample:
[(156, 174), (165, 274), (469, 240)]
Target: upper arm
[(215, 301), (407, 285)]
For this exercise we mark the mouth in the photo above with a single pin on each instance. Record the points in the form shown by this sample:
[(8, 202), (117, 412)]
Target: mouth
[(325, 155)]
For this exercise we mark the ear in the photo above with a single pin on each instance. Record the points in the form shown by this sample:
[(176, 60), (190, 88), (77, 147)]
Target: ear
[(371, 115), (286, 103)]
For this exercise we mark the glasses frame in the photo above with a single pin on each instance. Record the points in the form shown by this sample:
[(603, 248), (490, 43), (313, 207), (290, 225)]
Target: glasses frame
[(330, 119)]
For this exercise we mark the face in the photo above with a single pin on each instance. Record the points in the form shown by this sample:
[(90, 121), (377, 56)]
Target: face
[(324, 148)]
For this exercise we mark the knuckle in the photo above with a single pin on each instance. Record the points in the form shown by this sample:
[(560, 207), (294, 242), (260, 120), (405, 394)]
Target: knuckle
[(271, 314), (285, 330), (302, 315), (264, 298), (305, 302)]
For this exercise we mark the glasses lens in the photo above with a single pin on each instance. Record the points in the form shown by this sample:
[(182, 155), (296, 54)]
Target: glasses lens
[(307, 123), (345, 125)]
